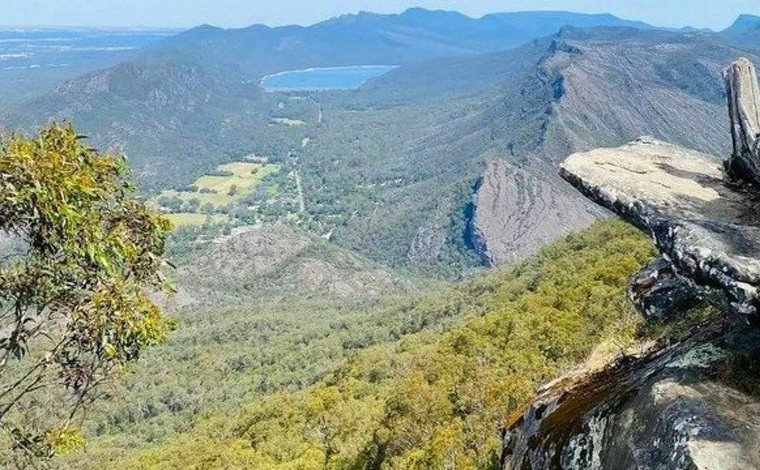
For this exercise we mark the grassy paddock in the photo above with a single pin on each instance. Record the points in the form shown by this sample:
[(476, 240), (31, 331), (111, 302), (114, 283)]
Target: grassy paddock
[(219, 191), (187, 219)]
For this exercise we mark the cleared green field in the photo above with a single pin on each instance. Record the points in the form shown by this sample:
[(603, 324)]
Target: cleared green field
[(229, 184), (245, 177), (187, 219), (215, 199)]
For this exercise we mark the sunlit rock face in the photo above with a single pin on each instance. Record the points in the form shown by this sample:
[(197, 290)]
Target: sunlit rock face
[(744, 110), (517, 211), (694, 404), (685, 407), (709, 230)]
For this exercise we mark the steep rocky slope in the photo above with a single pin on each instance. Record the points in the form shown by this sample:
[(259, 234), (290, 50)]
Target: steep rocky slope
[(688, 406), (516, 211), (693, 402), (595, 88)]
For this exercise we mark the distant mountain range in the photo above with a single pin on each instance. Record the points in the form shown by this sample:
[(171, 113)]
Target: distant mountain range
[(444, 162), (34, 60), (745, 31), (174, 94), (368, 38)]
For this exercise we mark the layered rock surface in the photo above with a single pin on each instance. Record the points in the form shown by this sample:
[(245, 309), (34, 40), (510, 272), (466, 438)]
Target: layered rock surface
[(693, 404), (683, 407), (708, 229), (744, 110)]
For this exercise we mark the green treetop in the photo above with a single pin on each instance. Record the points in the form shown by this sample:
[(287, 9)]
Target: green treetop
[(80, 256)]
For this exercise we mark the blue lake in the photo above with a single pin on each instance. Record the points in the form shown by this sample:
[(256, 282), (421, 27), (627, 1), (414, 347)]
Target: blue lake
[(332, 78)]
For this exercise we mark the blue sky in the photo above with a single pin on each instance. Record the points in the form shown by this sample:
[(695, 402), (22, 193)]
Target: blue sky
[(716, 14)]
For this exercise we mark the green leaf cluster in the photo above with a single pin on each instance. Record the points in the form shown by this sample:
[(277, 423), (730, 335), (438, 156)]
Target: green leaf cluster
[(83, 256)]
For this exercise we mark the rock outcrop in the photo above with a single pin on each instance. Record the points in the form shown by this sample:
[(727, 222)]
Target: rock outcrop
[(708, 229), (682, 407), (517, 211), (660, 293), (692, 403), (744, 110)]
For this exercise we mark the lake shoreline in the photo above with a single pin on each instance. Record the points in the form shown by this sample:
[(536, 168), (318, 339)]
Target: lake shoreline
[(349, 77)]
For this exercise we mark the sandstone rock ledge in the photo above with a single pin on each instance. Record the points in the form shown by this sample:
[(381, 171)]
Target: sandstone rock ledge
[(680, 406), (677, 408), (707, 227), (690, 405)]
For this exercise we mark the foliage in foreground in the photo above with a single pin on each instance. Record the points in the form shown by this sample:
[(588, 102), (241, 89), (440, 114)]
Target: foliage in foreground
[(432, 400), (79, 251)]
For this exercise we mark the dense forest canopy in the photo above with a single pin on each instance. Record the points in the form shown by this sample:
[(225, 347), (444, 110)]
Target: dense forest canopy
[(432, 398)]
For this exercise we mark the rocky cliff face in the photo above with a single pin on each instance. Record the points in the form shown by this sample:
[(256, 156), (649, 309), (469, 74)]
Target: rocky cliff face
[(682, 407), (690, 404), (744, 110), (517, 211), (594, 89)]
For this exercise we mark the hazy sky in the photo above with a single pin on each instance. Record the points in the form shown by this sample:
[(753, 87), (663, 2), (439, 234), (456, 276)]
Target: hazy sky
[(716, 14)]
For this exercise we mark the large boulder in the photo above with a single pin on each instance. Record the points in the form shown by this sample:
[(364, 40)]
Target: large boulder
[(707, 229), (690, 406)]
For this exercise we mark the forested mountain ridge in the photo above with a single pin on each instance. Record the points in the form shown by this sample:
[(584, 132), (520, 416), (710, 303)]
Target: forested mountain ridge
[(744, 31), (445, 164)]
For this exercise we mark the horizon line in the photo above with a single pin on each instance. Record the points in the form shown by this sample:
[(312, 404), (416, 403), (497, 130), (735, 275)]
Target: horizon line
[(180, 28)]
